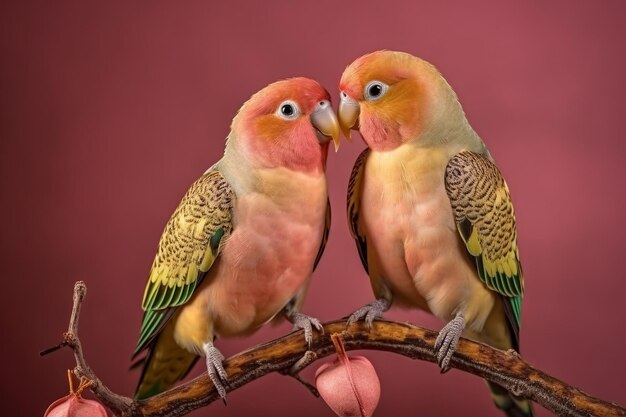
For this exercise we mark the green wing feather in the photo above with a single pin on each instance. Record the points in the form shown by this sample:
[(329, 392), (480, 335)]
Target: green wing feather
[(354, 202), (485, 218), (189, 245)]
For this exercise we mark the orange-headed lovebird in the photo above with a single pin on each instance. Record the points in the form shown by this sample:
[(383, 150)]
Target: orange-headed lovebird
[(429, 210)]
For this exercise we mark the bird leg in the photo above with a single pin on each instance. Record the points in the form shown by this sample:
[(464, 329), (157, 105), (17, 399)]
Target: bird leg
[(370, 311), (215, 368), (447, 340), (304, 322)]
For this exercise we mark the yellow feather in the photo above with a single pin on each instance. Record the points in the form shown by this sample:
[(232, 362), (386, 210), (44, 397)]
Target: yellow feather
[(197, 256), (512, 264), (489, 267), (192, 273), (182, 222), (150, 290), (164, 276), (172, 281), (473, 245), (161, 278), (169, 363), (207, 261), (199, 230), (507, 268), (155, 274)]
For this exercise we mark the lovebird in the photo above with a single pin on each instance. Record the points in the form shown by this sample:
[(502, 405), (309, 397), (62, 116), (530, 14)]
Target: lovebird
[(429, 210), (242, 245)]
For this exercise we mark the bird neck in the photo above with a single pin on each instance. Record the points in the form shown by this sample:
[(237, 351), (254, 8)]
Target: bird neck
[(448, 126), (246, 175)]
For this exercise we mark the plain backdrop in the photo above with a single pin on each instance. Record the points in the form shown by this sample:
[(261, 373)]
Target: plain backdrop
[(110, 109)]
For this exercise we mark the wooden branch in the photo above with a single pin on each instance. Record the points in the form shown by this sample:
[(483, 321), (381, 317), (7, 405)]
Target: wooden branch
[(115, 402), (285, 354)]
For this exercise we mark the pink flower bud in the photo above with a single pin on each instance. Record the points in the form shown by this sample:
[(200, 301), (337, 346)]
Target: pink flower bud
[(349, 385), (74, 405)]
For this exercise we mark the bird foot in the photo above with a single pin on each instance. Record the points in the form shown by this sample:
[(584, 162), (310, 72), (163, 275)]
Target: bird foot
[(215, 369), (447, 340), (370, 312), (306, 323)]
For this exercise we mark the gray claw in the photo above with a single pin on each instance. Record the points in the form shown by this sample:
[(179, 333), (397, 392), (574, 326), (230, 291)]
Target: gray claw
[(447, 340), (370, 312), (306, 323), (215, 368)]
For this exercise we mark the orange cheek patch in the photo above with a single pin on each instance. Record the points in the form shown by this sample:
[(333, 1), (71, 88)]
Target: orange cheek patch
[(395, 118), (269, 127), (407, 102)]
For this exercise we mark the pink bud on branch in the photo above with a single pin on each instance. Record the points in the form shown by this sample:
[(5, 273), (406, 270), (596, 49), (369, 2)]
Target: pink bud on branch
[(349, 385), (74, 405)]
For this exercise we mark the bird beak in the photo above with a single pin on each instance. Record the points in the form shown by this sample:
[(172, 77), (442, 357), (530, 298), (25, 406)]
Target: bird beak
[(325, 122), (348, 114)]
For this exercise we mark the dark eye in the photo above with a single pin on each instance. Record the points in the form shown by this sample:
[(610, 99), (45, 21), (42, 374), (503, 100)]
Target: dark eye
[(287, 110), (375, 90)]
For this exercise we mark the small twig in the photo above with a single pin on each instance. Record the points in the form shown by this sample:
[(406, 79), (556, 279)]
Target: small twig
[(52, 349), (115, 402), (281, 355), (308, 358)]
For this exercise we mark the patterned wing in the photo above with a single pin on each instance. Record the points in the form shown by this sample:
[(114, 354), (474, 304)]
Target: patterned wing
[(486, 222), (354, 202), (190, 243)]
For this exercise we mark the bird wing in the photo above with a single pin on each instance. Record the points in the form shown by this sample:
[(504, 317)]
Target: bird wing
[(192, 240), (485, 219), (324, 235), (354, 203)]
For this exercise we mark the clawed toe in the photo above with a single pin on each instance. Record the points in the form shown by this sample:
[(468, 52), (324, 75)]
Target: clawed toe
[(306, 323), (447, 341), (215, 369), (369, 312)]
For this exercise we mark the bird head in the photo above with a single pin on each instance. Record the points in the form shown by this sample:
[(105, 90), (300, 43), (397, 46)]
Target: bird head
[(392, 98), (287, 124)]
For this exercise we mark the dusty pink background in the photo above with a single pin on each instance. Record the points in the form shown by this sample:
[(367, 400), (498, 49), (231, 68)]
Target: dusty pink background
[(110, 109)]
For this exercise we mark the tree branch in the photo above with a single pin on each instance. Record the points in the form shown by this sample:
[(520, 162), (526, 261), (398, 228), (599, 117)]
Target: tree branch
[(115, 402), (284, 355)]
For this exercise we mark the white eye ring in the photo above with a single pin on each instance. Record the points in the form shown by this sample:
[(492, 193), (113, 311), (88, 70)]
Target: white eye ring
[(375, 90), (288, 110)]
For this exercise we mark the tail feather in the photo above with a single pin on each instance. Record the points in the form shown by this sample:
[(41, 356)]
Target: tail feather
[(165, 364), (510, 404)]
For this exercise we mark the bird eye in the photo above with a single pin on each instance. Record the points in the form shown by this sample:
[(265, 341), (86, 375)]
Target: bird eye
[(375, 90), (288, 110), (323, 104)]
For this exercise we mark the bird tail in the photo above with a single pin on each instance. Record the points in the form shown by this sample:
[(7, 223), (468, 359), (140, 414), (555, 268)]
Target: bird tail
[(510, 404), (165, 364)]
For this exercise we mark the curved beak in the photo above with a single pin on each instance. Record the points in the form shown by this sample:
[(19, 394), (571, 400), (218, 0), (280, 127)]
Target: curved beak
[(348, 114), (326, 124)]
